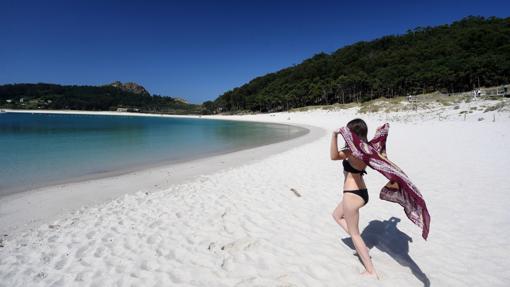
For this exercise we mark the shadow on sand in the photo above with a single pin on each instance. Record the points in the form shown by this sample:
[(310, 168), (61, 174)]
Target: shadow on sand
[(385, 236)]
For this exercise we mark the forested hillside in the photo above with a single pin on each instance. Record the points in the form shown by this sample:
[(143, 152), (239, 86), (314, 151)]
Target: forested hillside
[(129, 96), (469, 53)]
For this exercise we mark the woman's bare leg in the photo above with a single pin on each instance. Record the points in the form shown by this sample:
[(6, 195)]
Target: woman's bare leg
[(338, 216), (352, 204)]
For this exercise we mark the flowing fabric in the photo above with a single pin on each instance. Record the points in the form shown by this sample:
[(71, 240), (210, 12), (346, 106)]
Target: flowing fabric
[(406, 193)]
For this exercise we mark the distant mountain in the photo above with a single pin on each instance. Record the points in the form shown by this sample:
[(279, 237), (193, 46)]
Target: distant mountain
[(115, 96), (130, 87), (472, 52), (181, 100)]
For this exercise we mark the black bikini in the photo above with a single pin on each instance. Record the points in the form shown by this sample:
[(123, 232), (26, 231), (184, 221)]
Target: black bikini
[(363, 193), (348, 168)]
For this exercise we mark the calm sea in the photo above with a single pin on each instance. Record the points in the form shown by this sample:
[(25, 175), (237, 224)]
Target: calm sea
[(43, 149)]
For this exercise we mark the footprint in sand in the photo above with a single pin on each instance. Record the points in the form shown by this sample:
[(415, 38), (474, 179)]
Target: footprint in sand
[(99, 222), (40, 276), (155, 224), (61, 263), (81, 251), (149, 265), (240, 245), (83, 276), (90, 234), (228, 264), (53, 238), (99, 252), (153, 239), (10, 275), (46, 258), (108, 237)]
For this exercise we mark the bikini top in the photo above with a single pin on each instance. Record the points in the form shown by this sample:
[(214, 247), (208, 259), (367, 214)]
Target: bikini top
[(348, 168)]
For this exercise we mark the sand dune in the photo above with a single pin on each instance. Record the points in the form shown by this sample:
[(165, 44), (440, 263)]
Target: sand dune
[(245, 226)]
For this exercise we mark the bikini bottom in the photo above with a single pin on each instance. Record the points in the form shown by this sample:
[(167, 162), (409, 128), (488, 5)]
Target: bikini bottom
[(363, 193)]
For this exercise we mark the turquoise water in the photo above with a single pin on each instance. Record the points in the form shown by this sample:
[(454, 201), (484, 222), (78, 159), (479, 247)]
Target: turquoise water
[(44, 149)]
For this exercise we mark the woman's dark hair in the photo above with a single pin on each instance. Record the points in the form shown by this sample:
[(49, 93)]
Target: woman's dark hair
[(359, 127)]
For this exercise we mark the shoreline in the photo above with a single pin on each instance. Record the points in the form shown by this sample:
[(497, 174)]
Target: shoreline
[(25, 210), (144, 166), (98, 113)]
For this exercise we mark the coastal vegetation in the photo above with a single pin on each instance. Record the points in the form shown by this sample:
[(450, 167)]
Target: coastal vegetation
[(115, 96), (470, 53)]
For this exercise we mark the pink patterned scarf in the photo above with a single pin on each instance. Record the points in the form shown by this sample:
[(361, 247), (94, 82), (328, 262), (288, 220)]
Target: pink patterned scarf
[(406, 193)]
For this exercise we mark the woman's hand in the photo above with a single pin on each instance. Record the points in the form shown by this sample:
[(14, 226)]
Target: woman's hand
[(336, 132)]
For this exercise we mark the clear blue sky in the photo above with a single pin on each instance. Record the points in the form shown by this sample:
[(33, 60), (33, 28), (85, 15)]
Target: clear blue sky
[(196, 49)]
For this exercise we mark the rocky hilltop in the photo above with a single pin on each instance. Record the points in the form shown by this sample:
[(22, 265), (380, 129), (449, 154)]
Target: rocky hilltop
[(130, 87), (181, 100)]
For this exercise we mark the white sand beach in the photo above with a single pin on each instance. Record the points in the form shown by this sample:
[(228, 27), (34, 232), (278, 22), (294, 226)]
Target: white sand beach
[(237, 219)]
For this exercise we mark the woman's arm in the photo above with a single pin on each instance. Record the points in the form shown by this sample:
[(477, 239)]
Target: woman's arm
[(334, 153)]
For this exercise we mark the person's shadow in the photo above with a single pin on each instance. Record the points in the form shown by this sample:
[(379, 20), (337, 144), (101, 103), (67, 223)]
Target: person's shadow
[(385, 236)]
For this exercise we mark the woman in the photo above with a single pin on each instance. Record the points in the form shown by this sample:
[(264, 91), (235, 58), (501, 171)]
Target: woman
[(355, 194)]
